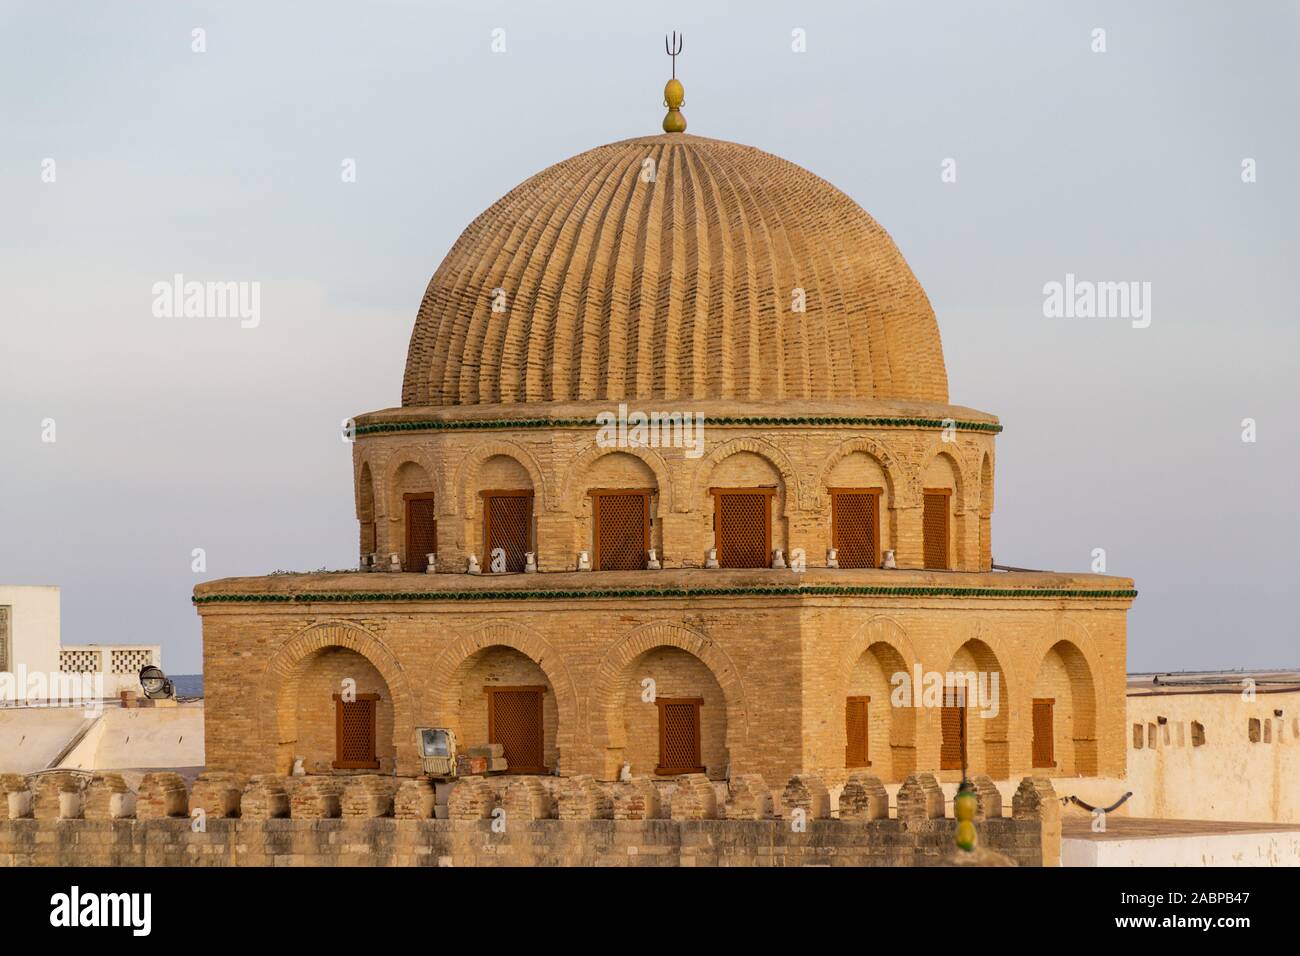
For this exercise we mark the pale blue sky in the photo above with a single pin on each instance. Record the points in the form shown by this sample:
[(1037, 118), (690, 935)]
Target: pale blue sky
[(183, 433)]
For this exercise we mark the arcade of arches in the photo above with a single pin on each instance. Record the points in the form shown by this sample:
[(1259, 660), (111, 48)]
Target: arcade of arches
[(777, 690)]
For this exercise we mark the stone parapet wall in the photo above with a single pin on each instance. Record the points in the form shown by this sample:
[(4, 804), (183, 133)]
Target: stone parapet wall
[(392, 842), (488, 829)]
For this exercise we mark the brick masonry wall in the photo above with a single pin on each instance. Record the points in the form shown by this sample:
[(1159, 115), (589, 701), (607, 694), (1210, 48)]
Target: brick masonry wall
[(774, 672), (389, 842), (562, 465), (501, 667), (676, 674), (783, 666), (321, 677)]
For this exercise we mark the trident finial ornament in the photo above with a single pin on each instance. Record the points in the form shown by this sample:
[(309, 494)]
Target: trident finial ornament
[(674, 92), (673, 49)]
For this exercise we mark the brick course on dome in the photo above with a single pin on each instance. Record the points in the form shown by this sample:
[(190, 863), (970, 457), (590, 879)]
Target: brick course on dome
[(613, 283)]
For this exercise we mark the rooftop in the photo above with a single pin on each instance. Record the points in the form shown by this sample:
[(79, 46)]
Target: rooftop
[(1118, 827), (1211, 682), (343, 586)]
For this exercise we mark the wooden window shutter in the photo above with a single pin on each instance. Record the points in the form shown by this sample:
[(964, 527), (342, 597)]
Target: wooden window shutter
[(515, 722), (742, 527), (421, 531), (1044, 744), (952, 749), (855, 526), (621, 533), (679, 735), (855, 728), (507, 524), (934, 526), (354, 733)]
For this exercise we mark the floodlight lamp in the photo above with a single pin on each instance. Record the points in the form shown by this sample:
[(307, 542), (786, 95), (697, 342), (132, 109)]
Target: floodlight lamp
[(434, 742), (155, 684)]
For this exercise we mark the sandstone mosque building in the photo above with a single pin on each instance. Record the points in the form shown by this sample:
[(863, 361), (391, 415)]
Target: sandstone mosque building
[(603, 598)]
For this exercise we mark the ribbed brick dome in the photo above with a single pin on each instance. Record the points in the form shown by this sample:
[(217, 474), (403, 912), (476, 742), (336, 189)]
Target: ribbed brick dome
[(616, 287)]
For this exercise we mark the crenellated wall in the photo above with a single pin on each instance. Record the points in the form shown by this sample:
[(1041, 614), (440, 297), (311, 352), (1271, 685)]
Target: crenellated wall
[(61, 820)]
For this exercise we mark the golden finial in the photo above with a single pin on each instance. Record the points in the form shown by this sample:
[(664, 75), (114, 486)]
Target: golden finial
[(674, 92)]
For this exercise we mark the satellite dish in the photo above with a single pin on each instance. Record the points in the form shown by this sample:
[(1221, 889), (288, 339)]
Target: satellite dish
[(155, 684)]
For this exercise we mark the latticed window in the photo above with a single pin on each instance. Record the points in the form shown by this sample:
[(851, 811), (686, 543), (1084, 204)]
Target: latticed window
[(1044, 747), (621, 529), (5, 653), (129, 660), (354, 732), (515, 722), (952, 747), (508, 525), (679, 735), (855, 526), (369, 544), (934, 526), (79, 660), (421, 530), (855, 728), (742, 526)]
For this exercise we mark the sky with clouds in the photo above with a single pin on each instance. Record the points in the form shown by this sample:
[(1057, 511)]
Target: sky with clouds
[(175, 434)]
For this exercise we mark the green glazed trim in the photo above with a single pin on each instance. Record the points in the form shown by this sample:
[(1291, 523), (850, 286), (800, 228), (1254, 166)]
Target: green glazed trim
[(382, 428), (586, 594)]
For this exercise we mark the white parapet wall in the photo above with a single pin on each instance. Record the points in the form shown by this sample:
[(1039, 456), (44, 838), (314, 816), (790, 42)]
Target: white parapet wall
[(119, 664), (36, 667), (29, 637), (1281, 848), (1216, 755)]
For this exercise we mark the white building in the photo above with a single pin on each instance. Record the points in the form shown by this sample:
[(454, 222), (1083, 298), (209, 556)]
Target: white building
[(36, 668)]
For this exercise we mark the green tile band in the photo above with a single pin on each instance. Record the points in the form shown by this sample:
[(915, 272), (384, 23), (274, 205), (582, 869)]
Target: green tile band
[(382, 428), (594, 594)]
